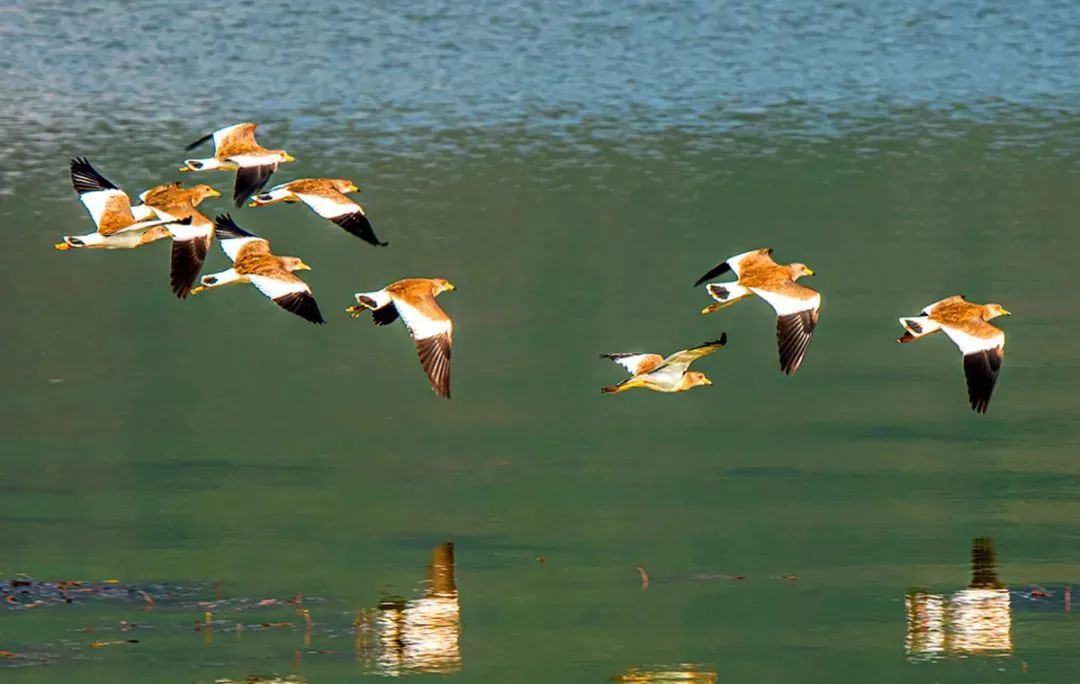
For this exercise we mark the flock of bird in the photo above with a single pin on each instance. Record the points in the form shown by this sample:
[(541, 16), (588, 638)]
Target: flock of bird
[(170, 211), (797, 310)]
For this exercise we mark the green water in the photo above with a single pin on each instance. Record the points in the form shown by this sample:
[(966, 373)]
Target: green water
[(233, 453)]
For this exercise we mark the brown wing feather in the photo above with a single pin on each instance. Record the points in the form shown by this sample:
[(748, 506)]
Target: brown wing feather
[(164, 196), (240, 141), (434, 353), (116, 216), (261, 263), (253, 249), (313, 186)]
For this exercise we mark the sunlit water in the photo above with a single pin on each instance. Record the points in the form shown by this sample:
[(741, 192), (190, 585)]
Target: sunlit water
[(572, 169)]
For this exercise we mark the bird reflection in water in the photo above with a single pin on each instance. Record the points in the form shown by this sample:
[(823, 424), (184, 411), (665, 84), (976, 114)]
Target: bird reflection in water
[(417, 635), (972, 621), (687, 674)]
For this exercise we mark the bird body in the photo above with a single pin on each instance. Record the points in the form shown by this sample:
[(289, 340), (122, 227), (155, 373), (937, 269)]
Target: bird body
[(191, 242), (659, 374), (327, 198), (235, 149), (270, 274), (413, 300), (110, 209), (797, 307), (966, 324)]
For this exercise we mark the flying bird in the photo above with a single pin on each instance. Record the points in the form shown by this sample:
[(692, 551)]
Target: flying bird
[(190, 242), (982, 344), (253, 263), (327, 198), (796, 307), (658, 374), (413, 299), (110, 209), (235, 148)]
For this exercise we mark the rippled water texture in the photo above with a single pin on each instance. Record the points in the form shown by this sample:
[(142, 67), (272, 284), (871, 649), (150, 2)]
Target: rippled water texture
[(241, 494)]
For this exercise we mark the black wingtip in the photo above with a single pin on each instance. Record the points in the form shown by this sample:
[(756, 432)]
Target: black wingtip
[(85, 178), (226, 229), (981, 369), (198, 142), (303, 305), (357, 224), (719, 269), (250, 180), (186, 261), (793, 334)]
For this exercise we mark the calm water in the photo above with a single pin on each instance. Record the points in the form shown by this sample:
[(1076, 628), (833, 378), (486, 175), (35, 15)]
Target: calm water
[(572, 168)]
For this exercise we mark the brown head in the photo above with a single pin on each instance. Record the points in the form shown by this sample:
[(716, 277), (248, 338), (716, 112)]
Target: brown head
[(285, 156), (200, 192), (344, 185), (798, 270), (440, 285), (993, 311), (293, 264), (695, 379)]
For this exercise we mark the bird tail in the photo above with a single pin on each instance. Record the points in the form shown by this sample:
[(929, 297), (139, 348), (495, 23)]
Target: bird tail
[(272, 196), (621, 387), (725, 295), (916, 327)]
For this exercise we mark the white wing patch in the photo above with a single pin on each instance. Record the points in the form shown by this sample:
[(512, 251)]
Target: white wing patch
[(202, 229), (250, 160), (232, 246), (785, 305), (326, 207), (96, 201), (141, 212), (969, 344), (631, 363), (274, 288), (420, 326)]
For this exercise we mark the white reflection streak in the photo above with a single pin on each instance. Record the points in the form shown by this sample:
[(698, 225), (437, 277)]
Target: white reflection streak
[(972, 621), (420, 635)]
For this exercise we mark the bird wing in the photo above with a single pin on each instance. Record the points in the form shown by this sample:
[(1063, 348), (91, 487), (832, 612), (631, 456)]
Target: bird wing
[(250, 180), (635, 364), (233, 238), (983, 347), (736, 263), (955, 299), (190, 245), (433, 332), (681, 360), (332, 205), (237, 139), (797, 310), (288, 292), (108, 205)]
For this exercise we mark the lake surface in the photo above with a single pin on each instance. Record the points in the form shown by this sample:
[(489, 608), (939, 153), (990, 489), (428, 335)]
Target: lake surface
[(572, 168)]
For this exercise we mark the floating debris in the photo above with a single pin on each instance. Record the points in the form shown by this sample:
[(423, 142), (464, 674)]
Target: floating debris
[(117, 642)]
